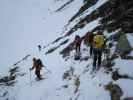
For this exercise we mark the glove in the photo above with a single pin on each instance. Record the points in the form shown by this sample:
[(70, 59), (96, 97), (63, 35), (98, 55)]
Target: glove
[(30, 69)]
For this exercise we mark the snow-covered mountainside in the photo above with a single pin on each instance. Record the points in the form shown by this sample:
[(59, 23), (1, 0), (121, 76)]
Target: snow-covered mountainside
[(53, 24)]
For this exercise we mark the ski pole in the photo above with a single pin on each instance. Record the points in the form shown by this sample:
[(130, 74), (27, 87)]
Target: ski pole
[(30, 77)]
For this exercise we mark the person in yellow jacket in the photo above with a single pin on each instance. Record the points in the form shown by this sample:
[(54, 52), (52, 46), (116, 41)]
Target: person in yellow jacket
[(98, 45)]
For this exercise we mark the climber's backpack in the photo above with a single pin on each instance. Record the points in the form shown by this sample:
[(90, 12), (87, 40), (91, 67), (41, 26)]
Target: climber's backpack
[(39, 62), (98, 41)]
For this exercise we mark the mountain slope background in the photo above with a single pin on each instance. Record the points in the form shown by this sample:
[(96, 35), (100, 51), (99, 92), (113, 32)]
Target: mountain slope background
[(53, 24)]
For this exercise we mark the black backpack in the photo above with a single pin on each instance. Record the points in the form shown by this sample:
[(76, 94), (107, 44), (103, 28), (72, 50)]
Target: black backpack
[(39, 62)]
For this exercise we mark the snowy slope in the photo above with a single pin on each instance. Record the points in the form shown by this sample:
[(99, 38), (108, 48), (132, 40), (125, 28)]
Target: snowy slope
[(28, 23), (41, 26)]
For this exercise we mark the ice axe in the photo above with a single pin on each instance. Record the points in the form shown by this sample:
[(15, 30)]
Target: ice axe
[(30, 76)]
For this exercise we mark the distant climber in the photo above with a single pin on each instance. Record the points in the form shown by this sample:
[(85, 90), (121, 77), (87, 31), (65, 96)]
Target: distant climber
[(37, 65), (39, 47), (77, 43), (98, 45)]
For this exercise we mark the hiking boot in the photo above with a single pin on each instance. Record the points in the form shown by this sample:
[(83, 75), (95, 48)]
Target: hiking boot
[(98, 67), (93, 70), (91, 56), (94, 67), (39, 78)]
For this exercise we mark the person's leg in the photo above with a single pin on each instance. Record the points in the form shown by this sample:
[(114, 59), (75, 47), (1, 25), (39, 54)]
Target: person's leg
[(38, 74), (94, 58), (99, 58), (79, 50), (91, 50), (76, 49)]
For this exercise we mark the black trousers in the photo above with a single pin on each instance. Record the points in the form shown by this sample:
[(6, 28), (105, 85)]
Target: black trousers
[(77, 49), (37, 72), (91, 50), (97, 57)]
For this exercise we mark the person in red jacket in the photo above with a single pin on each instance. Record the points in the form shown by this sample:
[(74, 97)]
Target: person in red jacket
[(77, 42), (90, 37)]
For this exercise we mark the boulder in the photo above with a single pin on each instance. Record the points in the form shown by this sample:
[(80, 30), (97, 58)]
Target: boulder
[(123, 47), (115, 91)]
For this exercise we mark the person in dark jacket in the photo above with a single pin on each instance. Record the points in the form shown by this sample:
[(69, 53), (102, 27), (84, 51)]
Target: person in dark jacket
[(39, 47)]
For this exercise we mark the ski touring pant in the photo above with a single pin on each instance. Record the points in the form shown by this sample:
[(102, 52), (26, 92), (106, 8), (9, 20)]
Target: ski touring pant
[(97, 57), (37, 72)]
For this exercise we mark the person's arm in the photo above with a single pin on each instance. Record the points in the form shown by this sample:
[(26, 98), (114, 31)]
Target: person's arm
[(32, 67)]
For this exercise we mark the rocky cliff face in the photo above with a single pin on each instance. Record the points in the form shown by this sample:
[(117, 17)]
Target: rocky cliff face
[(119, 14), (116, 15)]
